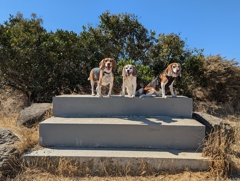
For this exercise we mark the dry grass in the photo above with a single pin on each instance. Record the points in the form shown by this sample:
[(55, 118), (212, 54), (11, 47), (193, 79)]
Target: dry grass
[(222, 145), (28, 137), (68, 171), (43, 176), (219, 147)]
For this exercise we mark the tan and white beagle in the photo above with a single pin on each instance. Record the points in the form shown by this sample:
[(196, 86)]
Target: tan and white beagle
[(165, 79), (129, 74), (103, 76)]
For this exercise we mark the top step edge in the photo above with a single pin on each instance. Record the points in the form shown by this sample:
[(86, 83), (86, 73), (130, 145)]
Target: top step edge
[(114, 96)]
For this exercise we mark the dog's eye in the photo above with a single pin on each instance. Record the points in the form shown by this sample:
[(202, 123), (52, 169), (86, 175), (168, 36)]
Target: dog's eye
[(130, 67), (174, 66)]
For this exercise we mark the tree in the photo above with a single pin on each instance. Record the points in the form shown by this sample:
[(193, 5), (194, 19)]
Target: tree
[(20, 44), (119, 36), (38, 63)]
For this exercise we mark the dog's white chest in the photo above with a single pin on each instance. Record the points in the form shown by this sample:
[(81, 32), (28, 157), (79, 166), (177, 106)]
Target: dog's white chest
[(107, 78), (131, 80)]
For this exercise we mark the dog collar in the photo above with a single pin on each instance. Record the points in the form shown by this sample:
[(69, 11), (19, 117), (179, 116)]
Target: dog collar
[(106, 73)]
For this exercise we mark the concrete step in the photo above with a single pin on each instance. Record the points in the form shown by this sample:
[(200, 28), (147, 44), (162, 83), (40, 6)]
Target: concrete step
[(92, 106), (133, 159), (122, 132)]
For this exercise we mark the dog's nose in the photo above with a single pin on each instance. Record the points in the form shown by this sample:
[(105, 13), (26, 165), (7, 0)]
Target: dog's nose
[(108, 63)]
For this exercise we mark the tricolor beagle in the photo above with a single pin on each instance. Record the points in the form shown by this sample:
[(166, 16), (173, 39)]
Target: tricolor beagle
[(103, 75), (165, 79), (129, 74)]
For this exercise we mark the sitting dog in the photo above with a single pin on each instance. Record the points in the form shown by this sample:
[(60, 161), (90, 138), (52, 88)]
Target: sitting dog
[(165, 79), (129, 74), (103, 75)]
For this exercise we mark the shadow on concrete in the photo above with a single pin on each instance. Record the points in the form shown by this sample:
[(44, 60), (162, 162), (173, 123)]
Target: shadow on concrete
[(150, 120)]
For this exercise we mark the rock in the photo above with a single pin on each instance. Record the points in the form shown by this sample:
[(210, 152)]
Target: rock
[(7, 150), (208, 120), (213, 123), (34, 114)]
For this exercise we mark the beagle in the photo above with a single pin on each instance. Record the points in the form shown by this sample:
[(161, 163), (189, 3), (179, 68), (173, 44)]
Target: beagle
[(165, 79), (103, 75), (129, 74)]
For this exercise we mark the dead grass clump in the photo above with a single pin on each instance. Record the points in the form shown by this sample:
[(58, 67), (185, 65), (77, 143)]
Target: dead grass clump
[(220, 110), (223, 80), (28, 137), (65, 169), (12, 101), (219, 146)]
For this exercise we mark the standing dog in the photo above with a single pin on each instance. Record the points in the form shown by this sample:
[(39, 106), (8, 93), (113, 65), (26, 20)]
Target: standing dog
[(103, 75), (129, 74), (165, 79)]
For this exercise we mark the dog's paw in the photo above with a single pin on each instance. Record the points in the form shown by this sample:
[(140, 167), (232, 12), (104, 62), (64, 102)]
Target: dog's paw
[(133, 96), (174, 96), (100, 95), (93, 94), (108, 95), (123, 95), (165, 97)]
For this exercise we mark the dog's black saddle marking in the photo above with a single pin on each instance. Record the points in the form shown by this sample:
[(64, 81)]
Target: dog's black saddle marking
[(156, 83), (170, 80)]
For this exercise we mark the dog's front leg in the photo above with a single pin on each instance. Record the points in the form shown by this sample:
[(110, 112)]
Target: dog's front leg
[(123, 89), (171, 90), (163, 90), (110, 89), (99, 89), (134, 90), (92, 85)]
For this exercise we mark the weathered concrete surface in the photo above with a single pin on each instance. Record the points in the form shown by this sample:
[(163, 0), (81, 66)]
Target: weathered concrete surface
[(34, 114), (97, 158), (125, 132), (92, 106)]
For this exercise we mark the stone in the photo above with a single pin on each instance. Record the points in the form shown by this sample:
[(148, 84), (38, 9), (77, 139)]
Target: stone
[(7, 150), (34, 114)]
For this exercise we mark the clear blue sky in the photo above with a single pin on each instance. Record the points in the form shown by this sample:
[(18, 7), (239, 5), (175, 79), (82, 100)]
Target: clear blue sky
[(213, 25)]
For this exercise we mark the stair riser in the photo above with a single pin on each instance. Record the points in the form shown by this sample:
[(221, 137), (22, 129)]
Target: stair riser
[(122, 136), (79, 106), (96, 160)]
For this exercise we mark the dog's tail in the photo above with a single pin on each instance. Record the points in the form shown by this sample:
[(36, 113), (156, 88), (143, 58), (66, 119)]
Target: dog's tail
[(88, 78)]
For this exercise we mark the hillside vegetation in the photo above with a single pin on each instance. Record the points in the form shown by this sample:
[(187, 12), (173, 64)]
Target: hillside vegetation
[(42, 64), (36, 65)]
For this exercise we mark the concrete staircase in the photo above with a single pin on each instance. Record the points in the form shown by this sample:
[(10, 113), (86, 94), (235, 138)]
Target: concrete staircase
[(127, 131)]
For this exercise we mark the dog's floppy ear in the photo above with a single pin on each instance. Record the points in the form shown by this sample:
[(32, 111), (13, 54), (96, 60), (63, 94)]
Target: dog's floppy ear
[(123, 71), (168, 70), (180, 70), (134, 71), (102, 64), (114, 65)]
